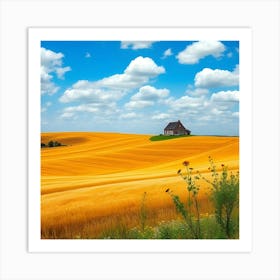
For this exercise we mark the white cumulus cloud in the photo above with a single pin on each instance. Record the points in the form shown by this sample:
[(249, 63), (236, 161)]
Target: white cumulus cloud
[(187, 102), (103, 109), (101, 96), (146, 96), (197, 91), (139, 104), (138, 72), (198, 50), (209, 78), (167, 53), (161, 116), (85, 91), (61, 71), (225, 96), (150, 93), (51, 64), (143, 66), (135, 45)]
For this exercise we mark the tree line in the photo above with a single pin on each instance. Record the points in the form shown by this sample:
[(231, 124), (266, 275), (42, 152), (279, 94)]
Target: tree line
[(51, 144)]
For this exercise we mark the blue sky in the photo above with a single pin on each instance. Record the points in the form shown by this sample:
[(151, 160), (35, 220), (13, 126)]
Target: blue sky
[(139, 87)]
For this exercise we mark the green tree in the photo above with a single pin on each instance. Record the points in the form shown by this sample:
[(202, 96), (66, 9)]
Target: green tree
[(51, 144)]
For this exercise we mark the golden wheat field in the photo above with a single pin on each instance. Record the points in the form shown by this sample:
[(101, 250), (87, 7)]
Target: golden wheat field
[(97, 180)]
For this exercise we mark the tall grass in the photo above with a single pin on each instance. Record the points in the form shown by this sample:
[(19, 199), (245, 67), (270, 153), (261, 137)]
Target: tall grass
[(183, 217), (79, 224), (189, 211)]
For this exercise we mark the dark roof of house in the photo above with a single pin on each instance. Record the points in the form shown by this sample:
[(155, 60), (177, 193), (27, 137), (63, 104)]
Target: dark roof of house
[(174, 125)]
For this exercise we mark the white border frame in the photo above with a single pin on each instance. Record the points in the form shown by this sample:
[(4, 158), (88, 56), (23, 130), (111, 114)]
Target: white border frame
[(243, 35), (260, 15)]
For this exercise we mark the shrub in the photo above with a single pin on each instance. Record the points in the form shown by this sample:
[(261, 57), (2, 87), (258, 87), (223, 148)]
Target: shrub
[(57, 144), (225, 196), (51, 144), (173, 230)]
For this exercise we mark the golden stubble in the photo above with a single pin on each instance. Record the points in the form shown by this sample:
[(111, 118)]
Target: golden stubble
[(98, 179)]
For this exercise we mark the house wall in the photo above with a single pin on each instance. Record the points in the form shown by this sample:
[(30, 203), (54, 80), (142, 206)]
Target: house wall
[(168, 132), (176, 132)]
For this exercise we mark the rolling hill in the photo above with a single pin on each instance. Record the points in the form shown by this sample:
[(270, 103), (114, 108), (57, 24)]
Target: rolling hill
[(97, 180)]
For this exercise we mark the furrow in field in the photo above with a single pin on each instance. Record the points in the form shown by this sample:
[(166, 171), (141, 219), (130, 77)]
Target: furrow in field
[(103, 176)]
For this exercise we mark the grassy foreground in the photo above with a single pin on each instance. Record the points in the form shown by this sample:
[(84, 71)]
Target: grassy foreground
[(93, 187)]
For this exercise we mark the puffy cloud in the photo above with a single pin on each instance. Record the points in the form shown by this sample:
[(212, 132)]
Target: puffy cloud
[(51, 60), (198, 50), (139, 71), (203, 114), (145, 67), (161, 116), (101, 108), (146, 96), (101, 96), (150, 93), (61, 71), (167, 53), (197, 91), (85, 91), (225, 96), (216, 112), (209, 78), (187, 102), (47, 86), (135, 45), (51, 63), (67, 115), (139, 104)]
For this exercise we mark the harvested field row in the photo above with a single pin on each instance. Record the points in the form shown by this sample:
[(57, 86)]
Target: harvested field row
[(102, 177)]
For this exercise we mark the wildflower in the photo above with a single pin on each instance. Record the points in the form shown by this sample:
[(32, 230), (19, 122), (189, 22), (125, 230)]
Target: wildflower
[(179, 171), (222, 165), (186, 163)]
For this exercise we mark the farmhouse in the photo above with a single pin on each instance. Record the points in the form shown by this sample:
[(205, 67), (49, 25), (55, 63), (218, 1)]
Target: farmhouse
[(176, 128)]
